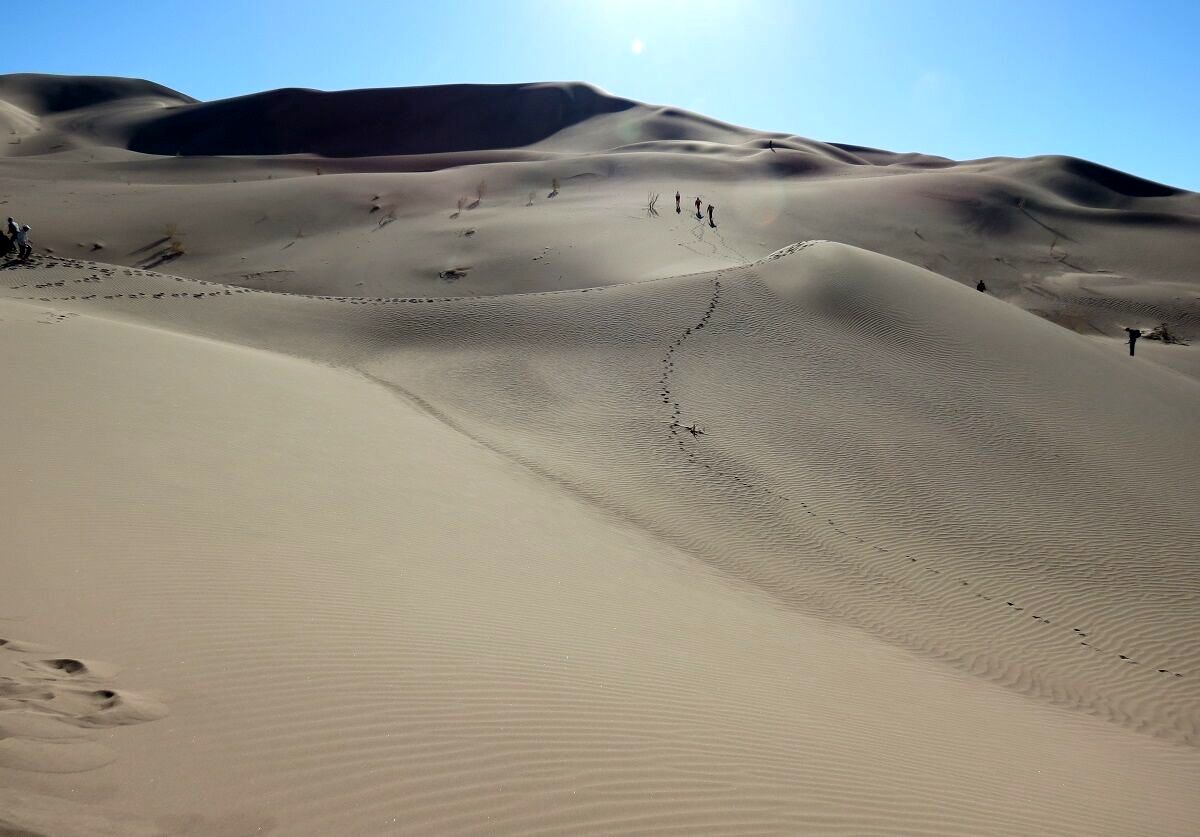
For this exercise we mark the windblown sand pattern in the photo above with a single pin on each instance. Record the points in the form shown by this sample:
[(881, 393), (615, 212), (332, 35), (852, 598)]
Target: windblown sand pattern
[(632, 524)]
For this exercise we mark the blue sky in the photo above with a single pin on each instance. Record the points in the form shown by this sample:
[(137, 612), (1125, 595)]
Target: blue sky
[(1114, 82)]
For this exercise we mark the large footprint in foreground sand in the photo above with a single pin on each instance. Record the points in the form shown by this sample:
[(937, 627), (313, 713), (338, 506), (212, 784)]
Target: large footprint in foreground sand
[(48, 704)]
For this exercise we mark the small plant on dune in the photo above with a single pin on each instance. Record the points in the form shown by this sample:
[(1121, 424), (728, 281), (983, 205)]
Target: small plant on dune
[(651, 200), (480, 191), (553, 189), (1163, 332), (174, 245), (530, 201), (461, 203)]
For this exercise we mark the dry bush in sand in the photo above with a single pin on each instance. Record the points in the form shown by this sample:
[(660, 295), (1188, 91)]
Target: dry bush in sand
[(480, 191), (167, 248), (174, 244), (1163, 332), (651, 200)]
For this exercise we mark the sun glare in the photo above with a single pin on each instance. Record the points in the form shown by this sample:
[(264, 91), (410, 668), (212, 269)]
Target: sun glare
[(637, 46)]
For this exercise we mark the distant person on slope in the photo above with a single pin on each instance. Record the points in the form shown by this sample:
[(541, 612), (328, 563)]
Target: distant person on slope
[(698, 215), (982, 288), (711, 222), (23, 244), (677, 209), (1134, 334)]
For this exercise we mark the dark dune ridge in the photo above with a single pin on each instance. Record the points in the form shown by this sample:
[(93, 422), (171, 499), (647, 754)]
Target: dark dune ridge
[(358, 123), (45, 95), (454, 118)]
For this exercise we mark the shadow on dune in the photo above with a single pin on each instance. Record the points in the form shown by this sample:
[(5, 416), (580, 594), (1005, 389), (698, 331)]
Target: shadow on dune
[(47, 94), (379, 122)]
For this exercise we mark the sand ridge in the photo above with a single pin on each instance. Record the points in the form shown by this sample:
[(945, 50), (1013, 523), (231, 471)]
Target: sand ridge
[(696, 308), (578, 517)]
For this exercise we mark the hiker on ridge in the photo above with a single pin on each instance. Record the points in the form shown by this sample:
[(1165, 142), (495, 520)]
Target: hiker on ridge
[(1134, 334)]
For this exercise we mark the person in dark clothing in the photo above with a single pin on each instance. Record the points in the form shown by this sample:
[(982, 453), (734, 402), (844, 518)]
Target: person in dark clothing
[(698, 215), (711, 222), (982, 288), (1134, 334), (14, 230), (677, 209)]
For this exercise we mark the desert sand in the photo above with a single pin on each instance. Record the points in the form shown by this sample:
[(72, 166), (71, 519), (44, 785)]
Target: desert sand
[(360, 481)]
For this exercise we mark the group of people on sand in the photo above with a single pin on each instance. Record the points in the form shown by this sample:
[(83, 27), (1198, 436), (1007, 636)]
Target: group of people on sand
[(17, 238), (679, 209)]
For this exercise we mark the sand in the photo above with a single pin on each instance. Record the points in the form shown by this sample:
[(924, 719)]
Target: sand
[(330, 513)]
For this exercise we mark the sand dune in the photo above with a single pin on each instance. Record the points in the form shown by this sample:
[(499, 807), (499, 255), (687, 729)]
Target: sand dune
[(578, 518)]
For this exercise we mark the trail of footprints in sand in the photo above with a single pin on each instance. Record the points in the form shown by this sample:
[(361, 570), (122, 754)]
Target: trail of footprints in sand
[(687, 438), (48, 704), (677, 429), (100, 272)]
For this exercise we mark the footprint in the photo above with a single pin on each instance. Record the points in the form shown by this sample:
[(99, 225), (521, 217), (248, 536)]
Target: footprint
[(66, 666)]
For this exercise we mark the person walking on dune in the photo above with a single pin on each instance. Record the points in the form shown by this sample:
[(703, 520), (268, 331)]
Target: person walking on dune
[(23, 245), (677, 209), (711, 222), (1134, 334), (13, 229), (698, 215)]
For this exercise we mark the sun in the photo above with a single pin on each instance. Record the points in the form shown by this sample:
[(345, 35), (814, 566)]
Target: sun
[(637, 46)]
